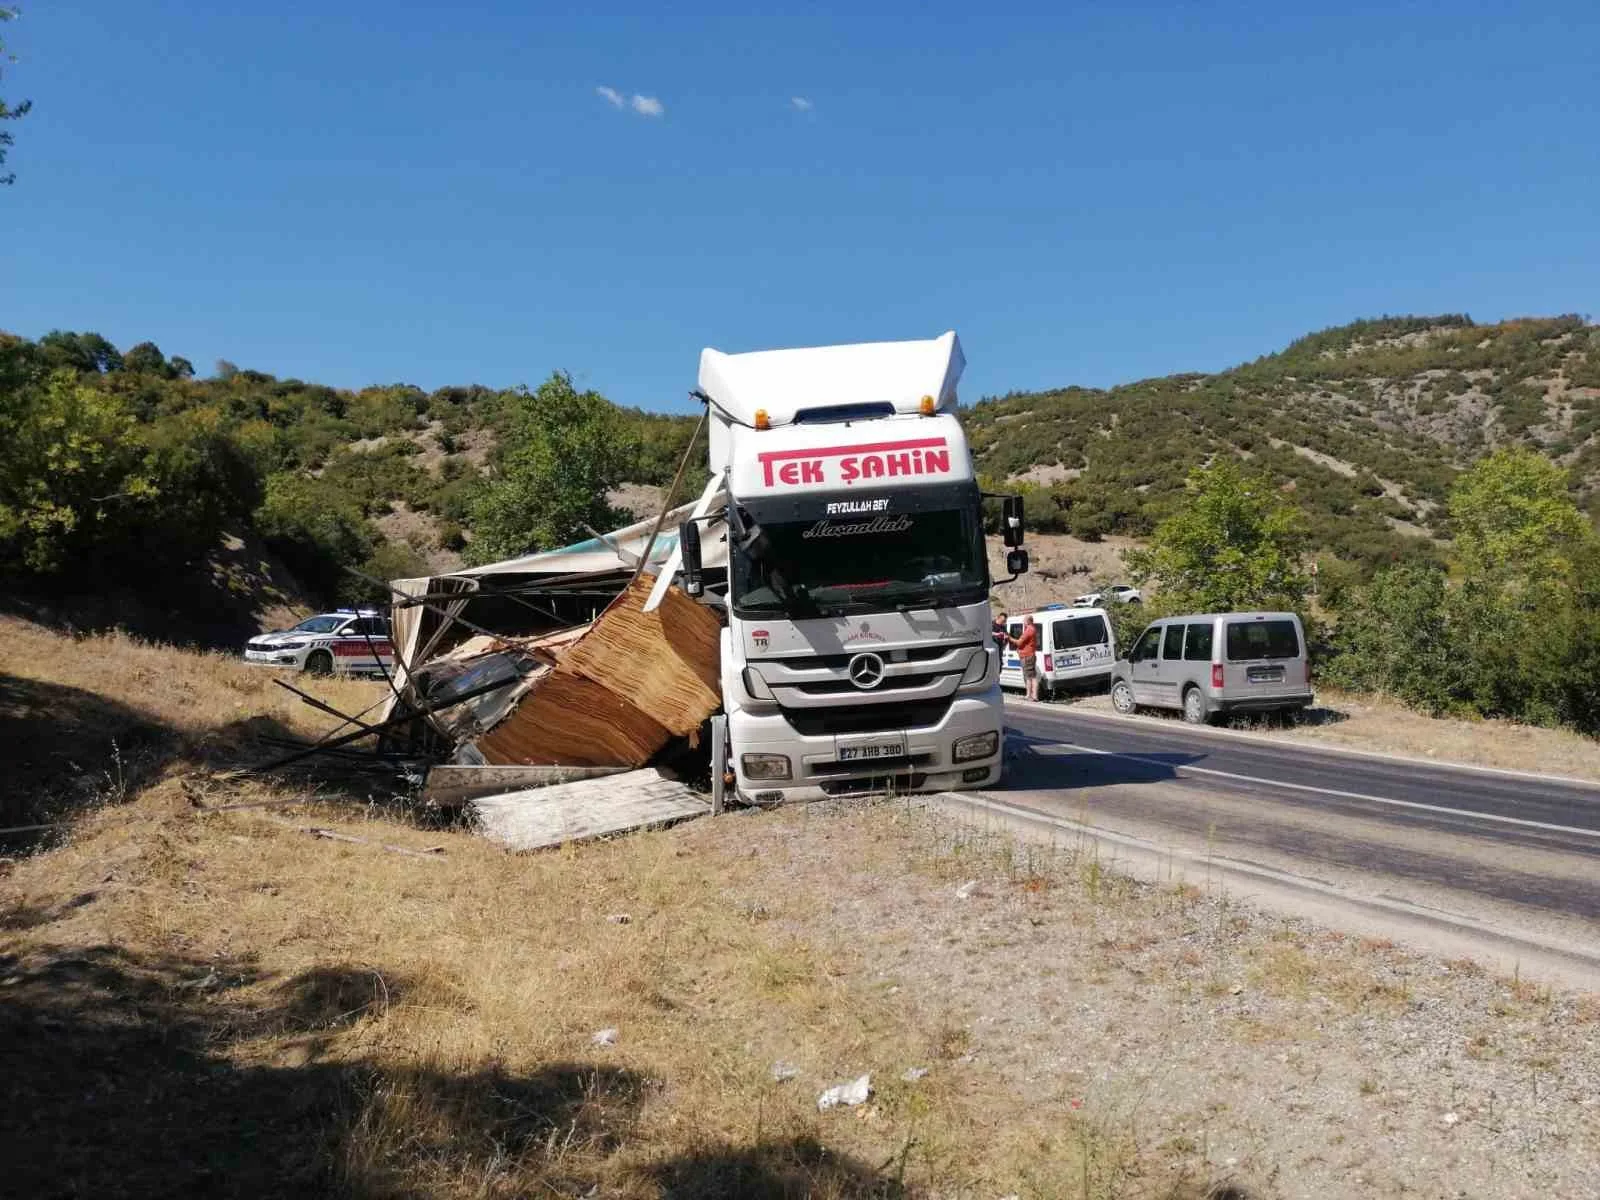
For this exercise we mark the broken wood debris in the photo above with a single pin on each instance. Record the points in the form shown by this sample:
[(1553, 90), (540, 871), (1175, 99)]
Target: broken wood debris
[(589, 808), (333, 835), (451, 785)]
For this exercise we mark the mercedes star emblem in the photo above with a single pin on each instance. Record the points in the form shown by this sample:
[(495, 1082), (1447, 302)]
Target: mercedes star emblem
[(866, 671)]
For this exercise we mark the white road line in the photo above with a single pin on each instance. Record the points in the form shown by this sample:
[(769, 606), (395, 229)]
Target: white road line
[(1266, 739), (1521, 822)]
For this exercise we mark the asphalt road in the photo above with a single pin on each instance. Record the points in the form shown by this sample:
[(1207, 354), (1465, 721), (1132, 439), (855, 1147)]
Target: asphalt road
[(1520, 849)]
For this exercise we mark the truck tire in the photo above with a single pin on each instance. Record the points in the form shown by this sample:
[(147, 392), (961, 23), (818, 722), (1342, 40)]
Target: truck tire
[(1122, 698), (319, 662), (1196, 710)]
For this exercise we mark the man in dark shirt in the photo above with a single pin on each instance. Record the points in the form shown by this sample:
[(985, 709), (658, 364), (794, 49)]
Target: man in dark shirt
[(999, 631)]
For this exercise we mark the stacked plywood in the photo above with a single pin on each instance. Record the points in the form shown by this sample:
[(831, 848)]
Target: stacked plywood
[(618, 694)]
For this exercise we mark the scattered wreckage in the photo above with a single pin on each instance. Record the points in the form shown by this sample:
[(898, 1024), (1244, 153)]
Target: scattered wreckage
[(841, 533), (543, 697)]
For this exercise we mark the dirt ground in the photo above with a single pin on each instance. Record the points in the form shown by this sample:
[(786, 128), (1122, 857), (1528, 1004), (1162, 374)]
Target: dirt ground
[(188, 997), (1061, 567)]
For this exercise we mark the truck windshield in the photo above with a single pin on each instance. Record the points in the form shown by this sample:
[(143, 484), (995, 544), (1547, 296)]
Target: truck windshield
[(864, 564)]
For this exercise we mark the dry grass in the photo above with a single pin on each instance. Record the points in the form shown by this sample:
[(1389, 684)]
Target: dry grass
[(1372, 723), (1382, 726), (195, 1002), (212, 1002)]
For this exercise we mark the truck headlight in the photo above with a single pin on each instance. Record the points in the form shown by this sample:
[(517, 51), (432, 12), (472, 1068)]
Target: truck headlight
[(977, 668), (765, 766), (976, 745)]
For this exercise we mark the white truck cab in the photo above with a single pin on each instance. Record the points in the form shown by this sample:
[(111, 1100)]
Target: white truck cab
[(858, 654)]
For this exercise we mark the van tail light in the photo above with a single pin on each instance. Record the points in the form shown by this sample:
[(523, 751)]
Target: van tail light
[(1216, 676), (1049, 664)]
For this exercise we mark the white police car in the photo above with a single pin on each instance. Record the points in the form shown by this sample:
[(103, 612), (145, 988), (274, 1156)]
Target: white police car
[(352, 640)]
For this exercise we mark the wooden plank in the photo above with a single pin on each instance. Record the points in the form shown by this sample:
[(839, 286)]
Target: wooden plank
[(451, 784), (589, 808)]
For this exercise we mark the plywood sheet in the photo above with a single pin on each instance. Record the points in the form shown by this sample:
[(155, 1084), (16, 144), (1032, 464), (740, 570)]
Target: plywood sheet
[(573, 720), (666, 662), (449, 785), (570, 812), (621, 692)]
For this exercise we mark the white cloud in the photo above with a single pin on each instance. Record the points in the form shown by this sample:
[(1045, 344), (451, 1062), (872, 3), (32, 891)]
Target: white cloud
[(647, 106), (610, 94), (801, 104)]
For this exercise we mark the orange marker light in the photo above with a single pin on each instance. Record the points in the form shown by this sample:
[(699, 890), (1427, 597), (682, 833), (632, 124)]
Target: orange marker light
[(761, 419), (927, 406)]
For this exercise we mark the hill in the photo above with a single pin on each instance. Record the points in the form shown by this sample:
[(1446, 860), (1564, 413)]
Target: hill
[(1366, 425), (124, 466), (127, 472)]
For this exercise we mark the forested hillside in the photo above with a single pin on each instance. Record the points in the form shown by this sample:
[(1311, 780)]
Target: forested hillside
[(1366, 425), (124, 467), (121, 469)]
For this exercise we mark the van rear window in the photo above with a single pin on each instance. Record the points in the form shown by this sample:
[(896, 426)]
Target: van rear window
[(1248, 640), (1080, 631)]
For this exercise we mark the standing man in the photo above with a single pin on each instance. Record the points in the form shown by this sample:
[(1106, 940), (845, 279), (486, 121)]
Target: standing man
[(999, 631), (1027, 650)]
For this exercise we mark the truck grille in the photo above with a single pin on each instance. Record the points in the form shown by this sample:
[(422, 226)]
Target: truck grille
[(866, 718), (839, 662)]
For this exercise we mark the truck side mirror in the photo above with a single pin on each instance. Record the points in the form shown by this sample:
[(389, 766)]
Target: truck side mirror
[(689, 548), (1011, 522), (1017, 562)]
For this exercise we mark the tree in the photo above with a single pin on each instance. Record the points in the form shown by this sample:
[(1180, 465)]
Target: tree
[(80, 351), (8, 113), (1233, 544), (563, 451), (1515, 521), (315, 529), (72, 469), (145, 359)]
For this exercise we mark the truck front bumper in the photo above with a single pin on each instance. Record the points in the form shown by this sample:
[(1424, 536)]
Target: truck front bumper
[(819, 769)]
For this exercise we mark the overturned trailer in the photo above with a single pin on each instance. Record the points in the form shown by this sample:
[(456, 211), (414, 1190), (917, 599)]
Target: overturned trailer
[(586, 677)]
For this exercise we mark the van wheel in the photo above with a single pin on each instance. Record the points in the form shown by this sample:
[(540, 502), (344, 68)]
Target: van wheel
[(1195, 709), (1122, 698), (319, 662)]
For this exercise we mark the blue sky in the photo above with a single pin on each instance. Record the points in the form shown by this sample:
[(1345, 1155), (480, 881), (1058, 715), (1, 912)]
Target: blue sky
[(368, 193)]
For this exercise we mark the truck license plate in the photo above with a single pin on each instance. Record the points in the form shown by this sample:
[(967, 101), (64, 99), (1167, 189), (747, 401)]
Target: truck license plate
[(877, 750)]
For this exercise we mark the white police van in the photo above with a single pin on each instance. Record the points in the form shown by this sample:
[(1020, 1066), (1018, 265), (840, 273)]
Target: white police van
[(351, 640), (1077, 650)]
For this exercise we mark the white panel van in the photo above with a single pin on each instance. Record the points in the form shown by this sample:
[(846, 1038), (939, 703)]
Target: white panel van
[(1216, 663), (1076, 650)]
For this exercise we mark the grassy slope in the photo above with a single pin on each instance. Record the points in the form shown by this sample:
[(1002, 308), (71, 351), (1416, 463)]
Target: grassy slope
[(215, 1002)]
